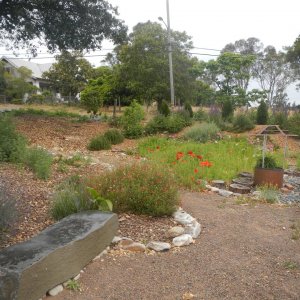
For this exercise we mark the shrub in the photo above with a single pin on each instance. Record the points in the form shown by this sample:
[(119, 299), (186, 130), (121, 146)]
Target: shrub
[(188, 108), (294, 123), (279, 118), (39, 161), (227, 110), (242, 123), (143, 188), (200, 115), (164, 109), (262, 114), (91, 98), (69, 198), (12, 144), (114, 136), (269, 193), (269, 163), (156, 125), (175, 123), (99, 142), (131, 119), (203, 132)]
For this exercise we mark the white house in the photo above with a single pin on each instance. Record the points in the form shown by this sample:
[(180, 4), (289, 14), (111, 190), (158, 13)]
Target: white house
[(12, 64)]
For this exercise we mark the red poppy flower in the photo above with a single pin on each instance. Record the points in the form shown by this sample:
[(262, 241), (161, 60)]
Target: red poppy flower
[(200, 157), (205, 163), (196, 171), (179, 155)]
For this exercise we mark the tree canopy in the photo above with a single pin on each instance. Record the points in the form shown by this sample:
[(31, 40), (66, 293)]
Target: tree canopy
[(67, 24)]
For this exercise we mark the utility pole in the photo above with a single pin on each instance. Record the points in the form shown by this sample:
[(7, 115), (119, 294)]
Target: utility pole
[(170, 57)]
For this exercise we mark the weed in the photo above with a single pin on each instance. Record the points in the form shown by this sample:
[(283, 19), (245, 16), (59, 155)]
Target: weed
[(99, 142), (242, 123), (290, 265), (296, 230), (114, 136), (269, 193), (73, 285)]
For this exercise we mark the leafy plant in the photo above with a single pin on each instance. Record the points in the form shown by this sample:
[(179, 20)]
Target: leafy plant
[(114, 136), (158, 124), (262, 113), (73, 285), (12, 144), (143, 188), (188, 108), (294, 123), (200, 115), (99, 202), (99, 142), (242, 123), (269, 193), (290, 265), (227, 110), (164, 109), (203, 132), (269, 163)]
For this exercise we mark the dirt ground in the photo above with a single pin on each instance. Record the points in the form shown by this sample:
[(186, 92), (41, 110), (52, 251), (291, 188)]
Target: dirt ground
[(244, 251)]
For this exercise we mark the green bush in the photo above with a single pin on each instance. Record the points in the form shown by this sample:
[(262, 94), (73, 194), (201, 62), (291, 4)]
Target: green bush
[(99, 142), (294, 123), (269, 163), (164, 109), (69, 198), (242, 123), (114, 136), (39, 161), (203, 132), (12, 144), (143, 188), (158, 124), (227, 110), (131, 121), (175, 123), (262, 114), (200, 115), (188, 108), (279, 118), (269, 193)]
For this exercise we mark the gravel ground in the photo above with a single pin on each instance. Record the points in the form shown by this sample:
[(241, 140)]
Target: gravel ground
[(244, 252), (294, 195)]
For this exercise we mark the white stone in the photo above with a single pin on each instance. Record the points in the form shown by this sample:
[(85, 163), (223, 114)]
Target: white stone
[(135, 247), (175, 231), (56, 290), (215, 189), (182, 240), (193, 229), (183, 217), (116, 239), (208, 187), (77, 277), (159, 246), (225, 193)]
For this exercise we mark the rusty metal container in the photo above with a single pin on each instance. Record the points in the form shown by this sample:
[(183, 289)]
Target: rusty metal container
[(263, 176)]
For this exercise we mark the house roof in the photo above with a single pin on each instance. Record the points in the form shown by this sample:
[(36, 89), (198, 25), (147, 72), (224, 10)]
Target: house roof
[(37, 69)]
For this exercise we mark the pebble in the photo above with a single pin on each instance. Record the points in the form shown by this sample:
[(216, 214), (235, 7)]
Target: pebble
[(159, 246), (183, 217), (182, 240), (193, 229), (225, 193), (135, 247), (294, 195)]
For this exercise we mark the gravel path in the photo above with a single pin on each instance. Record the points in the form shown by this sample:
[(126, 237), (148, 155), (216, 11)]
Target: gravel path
[(244, 252)]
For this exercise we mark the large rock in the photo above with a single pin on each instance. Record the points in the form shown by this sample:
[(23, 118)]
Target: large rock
[(183, 217), (28, 270), (182, 240), (175, 231), (193, 229), (159, 246)]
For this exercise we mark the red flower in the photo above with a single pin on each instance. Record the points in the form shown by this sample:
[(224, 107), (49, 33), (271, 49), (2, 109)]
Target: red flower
[(191, 153), (179, 155), (200, 157), (196, 171), (205, 163)]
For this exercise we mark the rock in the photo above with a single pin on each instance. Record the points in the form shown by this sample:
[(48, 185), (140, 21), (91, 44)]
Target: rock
[(214, 189), (218, 183), (285, 190), (193, 229), (125, 242), (55, 255), (208, 186), (225, 193), (238, 188), (188, 296), (288, 186), (243, 181), (77, 277), (256, 193), (116, 239), (56, 290), (246, 174), (159, 246), (182, 240), (183, 217), (175, 231), (135, 247)]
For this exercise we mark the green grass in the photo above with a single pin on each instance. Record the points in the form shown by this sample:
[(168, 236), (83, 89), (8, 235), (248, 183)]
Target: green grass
[(290, 265), (228, 157)]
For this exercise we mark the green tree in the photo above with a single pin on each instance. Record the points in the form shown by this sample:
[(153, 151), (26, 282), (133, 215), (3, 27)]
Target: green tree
[(144, 63), (68, 24), (16, 87), (2, 78), (262, 113), (274, 75), (293, 57), (69, 75)]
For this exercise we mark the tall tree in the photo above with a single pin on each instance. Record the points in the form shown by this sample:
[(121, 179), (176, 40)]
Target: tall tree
[(293, 56), (144, 63), (67, 24), (70, 73), (274, 75)]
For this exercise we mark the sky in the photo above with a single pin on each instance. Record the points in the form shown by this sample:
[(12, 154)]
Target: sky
[(215, 23)]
